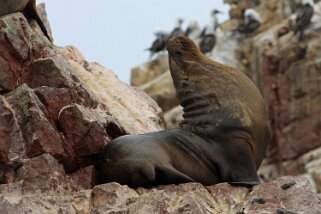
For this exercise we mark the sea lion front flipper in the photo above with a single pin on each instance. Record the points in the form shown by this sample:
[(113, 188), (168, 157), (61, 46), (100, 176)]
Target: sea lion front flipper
[(31, 13), (245, 183), (169, 175), (241, 168)]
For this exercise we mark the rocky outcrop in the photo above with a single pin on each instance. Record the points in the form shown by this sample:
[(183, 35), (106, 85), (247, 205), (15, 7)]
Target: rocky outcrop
[(58, 111), (279, 196)]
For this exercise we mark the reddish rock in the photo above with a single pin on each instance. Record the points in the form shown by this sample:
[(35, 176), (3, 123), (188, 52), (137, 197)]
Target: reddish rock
[(41, 8), (54, 99), (39, 134), (82, 179), (85, 133), (184, 198), (228, 197), (19, 45), (42, 173), (11, 138), (112, 198), (288, 194), (51, 72), (74, 54)]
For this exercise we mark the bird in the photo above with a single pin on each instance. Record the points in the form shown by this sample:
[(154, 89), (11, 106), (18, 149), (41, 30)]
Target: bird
[(215, 19), (252, 21), (303, 17), (208, 38), (177, 31), (158, 44), (193, 30)]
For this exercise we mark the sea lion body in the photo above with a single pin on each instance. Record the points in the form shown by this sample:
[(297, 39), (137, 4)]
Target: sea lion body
[(27, 7), (223, 137), (172, 157)]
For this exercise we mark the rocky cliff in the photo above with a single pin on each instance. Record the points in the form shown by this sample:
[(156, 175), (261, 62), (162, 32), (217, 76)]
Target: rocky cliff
[(58, 112)]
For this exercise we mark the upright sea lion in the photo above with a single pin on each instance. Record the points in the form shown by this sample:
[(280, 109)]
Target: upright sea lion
[(223, 137), (27, 7)]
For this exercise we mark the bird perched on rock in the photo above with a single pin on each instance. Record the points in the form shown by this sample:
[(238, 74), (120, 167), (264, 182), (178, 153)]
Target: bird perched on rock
[(193, 30), (208, 38), (208, 41), (215, 19), (303, 17), (177, 31), (252, 21), (159, 43), (27, 7)]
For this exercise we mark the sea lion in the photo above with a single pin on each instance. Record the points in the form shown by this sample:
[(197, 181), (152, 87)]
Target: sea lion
[(27, 7), (303, 17), (223, 137)]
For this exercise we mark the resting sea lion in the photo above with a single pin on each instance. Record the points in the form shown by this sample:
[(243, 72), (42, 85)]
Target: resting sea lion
[(27, 7), (223, 137)]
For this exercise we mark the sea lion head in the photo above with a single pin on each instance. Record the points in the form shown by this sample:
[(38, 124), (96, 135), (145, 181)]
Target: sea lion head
[(183, 52)]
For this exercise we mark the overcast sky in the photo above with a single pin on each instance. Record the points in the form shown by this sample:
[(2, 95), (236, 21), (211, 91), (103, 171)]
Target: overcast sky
[(115, 33)]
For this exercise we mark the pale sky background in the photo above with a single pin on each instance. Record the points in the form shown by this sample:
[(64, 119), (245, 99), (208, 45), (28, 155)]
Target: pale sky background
[(115, 33)]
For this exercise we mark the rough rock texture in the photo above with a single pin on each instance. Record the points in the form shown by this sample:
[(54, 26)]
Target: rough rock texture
[(59, 111), (284, 195)]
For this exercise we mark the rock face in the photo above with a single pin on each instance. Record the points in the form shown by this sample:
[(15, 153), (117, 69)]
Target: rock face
[(285, 69), (279, 196), (59, 111)]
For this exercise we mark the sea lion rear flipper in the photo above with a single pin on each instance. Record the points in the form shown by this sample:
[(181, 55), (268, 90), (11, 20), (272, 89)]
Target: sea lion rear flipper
[(169, 175), (31, 13)]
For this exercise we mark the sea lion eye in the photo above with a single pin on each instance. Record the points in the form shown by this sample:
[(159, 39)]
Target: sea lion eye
[(183, 43)]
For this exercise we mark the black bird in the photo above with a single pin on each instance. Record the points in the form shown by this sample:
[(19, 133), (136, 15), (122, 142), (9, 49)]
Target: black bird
[(193, 30), (159, 43), (252, 21), (208, 38), (303, 17), (207, 43), (177, 31)]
